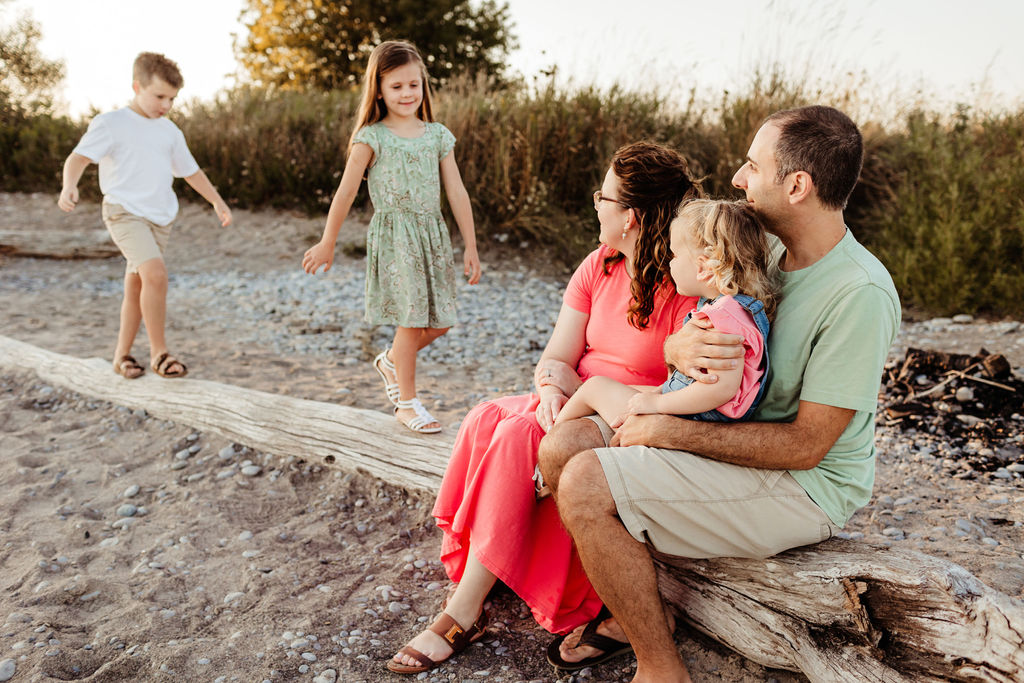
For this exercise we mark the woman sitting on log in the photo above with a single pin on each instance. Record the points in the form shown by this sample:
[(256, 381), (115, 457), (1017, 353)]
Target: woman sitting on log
[(618, 308)]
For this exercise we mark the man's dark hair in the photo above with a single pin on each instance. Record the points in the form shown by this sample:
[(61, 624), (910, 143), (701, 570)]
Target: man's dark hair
[(823, 142)]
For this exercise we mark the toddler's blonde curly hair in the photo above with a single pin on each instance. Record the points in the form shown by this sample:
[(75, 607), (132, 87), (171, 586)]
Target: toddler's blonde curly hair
[(733, 240)]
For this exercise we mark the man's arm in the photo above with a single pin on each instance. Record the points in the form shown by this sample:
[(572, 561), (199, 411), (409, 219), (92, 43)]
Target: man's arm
[(797, 445)]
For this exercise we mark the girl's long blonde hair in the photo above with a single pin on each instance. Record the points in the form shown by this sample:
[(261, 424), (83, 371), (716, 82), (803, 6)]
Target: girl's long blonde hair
[(733, 240), (387, 56)]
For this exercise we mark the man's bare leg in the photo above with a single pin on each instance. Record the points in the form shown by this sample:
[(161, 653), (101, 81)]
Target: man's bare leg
[(562, 443), (619, 567)]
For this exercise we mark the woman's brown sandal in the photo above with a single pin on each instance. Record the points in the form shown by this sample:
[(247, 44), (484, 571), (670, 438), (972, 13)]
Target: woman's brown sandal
[(164, 362), (128, 367), (453, 634)]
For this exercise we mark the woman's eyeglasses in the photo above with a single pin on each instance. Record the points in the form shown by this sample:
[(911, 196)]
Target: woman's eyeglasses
[(598, 198)]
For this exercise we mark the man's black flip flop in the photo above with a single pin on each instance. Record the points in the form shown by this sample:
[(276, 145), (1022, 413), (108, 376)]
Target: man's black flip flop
[(610, 648)]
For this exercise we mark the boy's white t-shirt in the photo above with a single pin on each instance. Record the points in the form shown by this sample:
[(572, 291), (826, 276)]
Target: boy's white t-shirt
[(139, 158)]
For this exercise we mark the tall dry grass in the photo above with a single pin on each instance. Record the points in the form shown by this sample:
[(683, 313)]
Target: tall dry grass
[(939, 199)]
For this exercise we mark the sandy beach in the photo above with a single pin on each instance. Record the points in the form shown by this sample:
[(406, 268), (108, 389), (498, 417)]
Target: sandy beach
[(140, 549)]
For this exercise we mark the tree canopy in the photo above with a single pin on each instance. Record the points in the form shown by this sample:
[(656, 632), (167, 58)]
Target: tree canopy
[(27, 78), (324, 45)]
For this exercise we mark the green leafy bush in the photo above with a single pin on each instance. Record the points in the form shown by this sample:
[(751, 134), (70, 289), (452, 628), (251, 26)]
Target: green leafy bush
[(939, 199)]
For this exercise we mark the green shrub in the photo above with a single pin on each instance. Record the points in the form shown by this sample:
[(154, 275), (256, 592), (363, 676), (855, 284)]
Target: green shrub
[(938, 201), (952, 229)]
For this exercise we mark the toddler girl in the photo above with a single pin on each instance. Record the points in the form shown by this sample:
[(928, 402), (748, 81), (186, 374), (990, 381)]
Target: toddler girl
[(410, 277), (719, 253)]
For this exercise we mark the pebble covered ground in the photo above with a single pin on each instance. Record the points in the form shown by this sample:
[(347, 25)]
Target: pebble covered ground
[(139, 549)]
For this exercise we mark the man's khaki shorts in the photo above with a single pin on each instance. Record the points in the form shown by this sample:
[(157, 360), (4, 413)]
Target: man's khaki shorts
[(138, 239), (689, 506)]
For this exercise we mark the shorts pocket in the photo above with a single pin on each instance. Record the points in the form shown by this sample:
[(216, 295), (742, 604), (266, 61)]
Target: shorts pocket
[(112, 212), (769, 478)]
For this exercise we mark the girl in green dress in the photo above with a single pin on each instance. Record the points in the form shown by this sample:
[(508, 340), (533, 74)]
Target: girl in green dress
[(410, 275)]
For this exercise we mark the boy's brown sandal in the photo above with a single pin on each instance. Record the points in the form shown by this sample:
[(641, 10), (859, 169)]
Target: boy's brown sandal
[(163, 363), (128, 367), (453, 634)]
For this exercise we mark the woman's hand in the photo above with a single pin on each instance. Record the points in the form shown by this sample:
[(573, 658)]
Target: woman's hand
[(555, 373), (698, 347), (551, 403)]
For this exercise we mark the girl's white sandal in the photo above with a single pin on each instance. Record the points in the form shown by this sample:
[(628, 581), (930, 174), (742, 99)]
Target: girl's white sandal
[(419, 422), (380, 364)]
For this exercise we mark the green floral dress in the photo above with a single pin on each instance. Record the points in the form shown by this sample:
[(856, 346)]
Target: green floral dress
[(410, 274)]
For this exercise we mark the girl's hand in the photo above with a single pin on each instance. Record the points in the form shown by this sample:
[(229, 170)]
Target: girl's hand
[(551, 403), (319, 255), (641, 403), (555, 373), (471, 266)]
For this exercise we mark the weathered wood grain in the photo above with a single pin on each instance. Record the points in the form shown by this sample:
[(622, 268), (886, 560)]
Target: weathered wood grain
[(352, 439), (58, 244), (849, 611)]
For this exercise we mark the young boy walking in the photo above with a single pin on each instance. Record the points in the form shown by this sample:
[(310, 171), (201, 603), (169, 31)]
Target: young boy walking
[(139, 153)]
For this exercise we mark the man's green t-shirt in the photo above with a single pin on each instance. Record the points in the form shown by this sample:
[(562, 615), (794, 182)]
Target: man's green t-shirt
[(828, 343)]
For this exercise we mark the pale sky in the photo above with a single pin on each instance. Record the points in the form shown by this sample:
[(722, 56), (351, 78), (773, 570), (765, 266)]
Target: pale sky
[(946, 50)]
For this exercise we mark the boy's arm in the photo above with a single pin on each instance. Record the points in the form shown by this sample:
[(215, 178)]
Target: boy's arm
[(74, 166), (201, 184), (458, 199), (322, 253)]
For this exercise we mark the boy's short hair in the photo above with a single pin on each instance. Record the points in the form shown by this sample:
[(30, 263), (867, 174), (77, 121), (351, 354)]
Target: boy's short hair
[(150, 64)]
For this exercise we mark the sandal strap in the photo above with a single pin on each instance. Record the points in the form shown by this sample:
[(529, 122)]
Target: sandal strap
[(414, 404), (421, 659), (457, 637), (384, 360), (380, 364), (591, 637), (419, 422)]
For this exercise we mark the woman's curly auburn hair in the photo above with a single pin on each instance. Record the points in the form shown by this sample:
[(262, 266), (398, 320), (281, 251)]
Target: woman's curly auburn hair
[(653, 182), (734, 243)]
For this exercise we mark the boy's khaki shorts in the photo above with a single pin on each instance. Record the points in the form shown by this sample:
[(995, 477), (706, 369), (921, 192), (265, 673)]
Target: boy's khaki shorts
[(138, 239), (689, 506)]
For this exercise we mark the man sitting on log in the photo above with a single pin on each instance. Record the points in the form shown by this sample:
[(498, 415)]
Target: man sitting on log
[(793, 475)]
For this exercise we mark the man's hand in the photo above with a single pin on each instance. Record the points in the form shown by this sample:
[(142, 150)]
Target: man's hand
[(654, 430), (699, 347)]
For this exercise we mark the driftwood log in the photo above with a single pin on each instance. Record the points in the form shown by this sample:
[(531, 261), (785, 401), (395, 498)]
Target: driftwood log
[(849, 611), (58, 244), (836, 611), (353, 439)]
